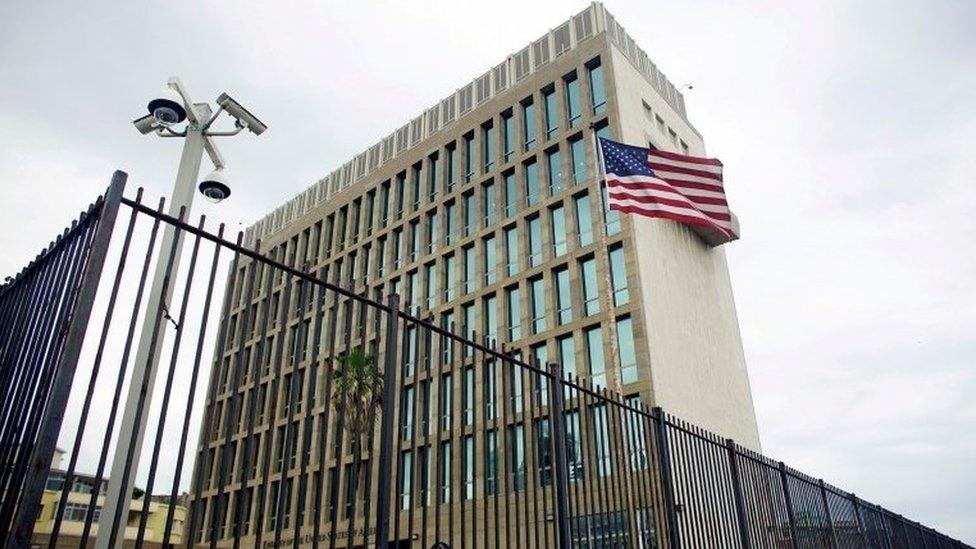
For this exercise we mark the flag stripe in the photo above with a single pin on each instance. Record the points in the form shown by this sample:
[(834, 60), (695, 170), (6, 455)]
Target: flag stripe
[(654, 210), (665, 168), (695, 195), (684, 157), (675, 201), (683, 164)]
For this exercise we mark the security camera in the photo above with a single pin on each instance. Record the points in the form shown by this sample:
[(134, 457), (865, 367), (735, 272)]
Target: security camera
[(146, 124), (167, 108), (214, 187), (242, 115)]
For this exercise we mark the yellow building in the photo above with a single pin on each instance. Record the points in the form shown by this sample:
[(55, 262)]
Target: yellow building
[(76, 509)]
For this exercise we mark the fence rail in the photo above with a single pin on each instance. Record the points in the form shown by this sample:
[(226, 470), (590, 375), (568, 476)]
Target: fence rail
[(335, 417)]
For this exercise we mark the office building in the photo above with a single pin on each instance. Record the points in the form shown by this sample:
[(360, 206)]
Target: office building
[(486, 212)]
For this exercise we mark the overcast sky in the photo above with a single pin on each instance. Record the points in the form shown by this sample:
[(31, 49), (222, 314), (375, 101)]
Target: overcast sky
[(846, 128)]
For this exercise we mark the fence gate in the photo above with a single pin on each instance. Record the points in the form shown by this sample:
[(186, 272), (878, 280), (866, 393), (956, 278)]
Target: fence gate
[(301, 405)]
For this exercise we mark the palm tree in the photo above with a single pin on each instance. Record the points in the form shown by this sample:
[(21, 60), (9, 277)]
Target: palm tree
[(359, 389)]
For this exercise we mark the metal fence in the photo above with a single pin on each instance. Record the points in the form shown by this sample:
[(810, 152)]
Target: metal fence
[(335, 418)]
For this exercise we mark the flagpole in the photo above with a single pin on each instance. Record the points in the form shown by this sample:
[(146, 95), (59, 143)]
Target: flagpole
[(605, 252)]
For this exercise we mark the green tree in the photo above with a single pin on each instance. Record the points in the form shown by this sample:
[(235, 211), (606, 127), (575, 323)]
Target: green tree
[(358, 390)]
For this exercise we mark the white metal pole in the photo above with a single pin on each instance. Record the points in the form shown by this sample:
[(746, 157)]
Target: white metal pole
[(145, 366)]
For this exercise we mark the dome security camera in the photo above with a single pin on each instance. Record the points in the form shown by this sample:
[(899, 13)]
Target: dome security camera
[(214, 187), (167, 108)]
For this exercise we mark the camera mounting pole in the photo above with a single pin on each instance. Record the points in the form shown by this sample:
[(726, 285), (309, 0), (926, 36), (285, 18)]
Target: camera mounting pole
[(165, 112), (125, 462)]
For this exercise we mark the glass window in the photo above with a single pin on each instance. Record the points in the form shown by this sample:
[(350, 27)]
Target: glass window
[(445, 466), (516, 445), (381, 257), (450, 225), (397, 249), (535, 241), (574, 446), (488, 146), (410, 364), (469, 467), (594, 356), (449, 167), (538, 305), (515, 382), (557, 219), (469, 326), (450, 274), (415, 186), (433, 232), (626, 350), (363, 269), (415, 240), (509, 137), (555, 172), (491, 317), (468, 397), (511, 194), (469, 214), (433, 175), (591, 297), (406, 413), (579, 161), (601, 439), (491, 261), (406, 478), (564, 300), (540, 353), (597, 91), (567, 356), (469, 161), (446, 398), (618, 272), (489, 205), (512, 250), (470, 278), (531, 183), (584, 220), (635, 432), (573, 109), (490, 386), (514, 314), (552, 113), (528, 124), (431, 285), (543, 438), (491, 463), (447, 344)]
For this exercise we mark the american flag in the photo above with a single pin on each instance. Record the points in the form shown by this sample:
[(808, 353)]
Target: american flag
[(654, 183)]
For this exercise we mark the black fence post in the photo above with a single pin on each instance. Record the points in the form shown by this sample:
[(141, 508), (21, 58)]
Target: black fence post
[(789, 503), (889, 538), (830, 519), (861, 533), (50, 428), (664, 458), (562, 469), (386, 426), (740, 509)]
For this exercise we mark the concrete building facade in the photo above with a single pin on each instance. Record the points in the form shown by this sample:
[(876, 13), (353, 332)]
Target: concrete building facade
[(487, 212)]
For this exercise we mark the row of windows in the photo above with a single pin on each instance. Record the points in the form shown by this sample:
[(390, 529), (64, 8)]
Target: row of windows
[(438, 172), (479, 459), (484, 262), (415, 481)]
